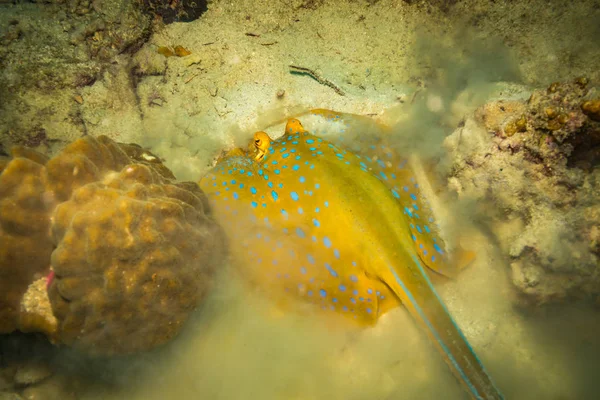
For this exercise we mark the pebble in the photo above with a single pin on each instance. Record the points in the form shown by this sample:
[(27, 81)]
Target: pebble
[(32, 373), (54, 388)]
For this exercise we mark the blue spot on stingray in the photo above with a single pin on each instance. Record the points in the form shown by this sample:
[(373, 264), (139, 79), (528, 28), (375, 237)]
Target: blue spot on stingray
[(327, 242), (323, 293), (277, 172), (253, 190), (300, 233), (331, 270), (249, 173), (396, 195), (334, 300), (235, 195), (336, 253), (260, 171), (326, 204), (302, 179), (342, 288), (310, 293), (285, 155), (405, 188), (432, 258), (296, 167), (303, 270), (297, 157), (254, 204), (310, 141), (437, 248), (370, 291), (295, 196), (317, 185), (317, 209), (353, 278), (300, 210), (427, 229), (316, 222), (369, 310), (270, 184), (412, 196), (310, 258), (274, 195), (344, 308)]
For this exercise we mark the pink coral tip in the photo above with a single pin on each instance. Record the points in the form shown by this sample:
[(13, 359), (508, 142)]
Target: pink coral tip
[(49, 279)]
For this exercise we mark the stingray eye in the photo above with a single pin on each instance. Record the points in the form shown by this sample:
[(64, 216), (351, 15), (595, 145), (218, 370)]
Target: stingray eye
[(257, 142)]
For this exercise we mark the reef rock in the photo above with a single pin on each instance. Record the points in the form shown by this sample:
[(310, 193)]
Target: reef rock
[(532, 169), (128, 252)]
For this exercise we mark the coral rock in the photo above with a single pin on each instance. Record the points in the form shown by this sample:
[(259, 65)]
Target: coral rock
[(537, 186), (135, 255), (129, 253)]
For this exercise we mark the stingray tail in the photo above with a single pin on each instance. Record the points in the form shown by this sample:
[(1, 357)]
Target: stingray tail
[(419, 296)]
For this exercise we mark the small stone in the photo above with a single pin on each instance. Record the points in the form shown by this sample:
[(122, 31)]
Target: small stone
[(582, 82), (280, 93), (33, 373), (55, 388)]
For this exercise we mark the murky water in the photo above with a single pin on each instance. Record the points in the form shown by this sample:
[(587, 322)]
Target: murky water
[(237, 345)]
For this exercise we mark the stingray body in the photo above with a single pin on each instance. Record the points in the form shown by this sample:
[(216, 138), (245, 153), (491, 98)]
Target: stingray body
[(341, 232)]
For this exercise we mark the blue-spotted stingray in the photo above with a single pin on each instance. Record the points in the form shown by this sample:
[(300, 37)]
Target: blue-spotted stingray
[(346, 233)]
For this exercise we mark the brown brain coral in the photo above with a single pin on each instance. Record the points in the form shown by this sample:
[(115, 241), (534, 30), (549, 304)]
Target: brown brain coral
[(26, 246), (132, 251), (134, 257)]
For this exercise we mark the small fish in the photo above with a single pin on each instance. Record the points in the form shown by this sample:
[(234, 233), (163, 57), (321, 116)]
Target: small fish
[(349, 234)]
